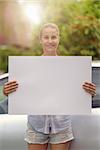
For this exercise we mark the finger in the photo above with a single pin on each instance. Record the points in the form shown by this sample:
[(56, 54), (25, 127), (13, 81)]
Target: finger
[(8, 90), (11, 83), (13, 90), (11, 87), (89, 87), (89, 83), (91, 92)]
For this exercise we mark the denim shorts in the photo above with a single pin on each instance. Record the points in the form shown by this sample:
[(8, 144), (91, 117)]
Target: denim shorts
[(35, 137)]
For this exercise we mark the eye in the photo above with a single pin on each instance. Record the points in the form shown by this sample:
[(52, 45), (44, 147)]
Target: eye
[(54, 37), (45, 37)]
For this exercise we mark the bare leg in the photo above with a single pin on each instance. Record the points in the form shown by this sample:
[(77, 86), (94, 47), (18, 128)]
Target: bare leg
[(62, 146), (37, 146)]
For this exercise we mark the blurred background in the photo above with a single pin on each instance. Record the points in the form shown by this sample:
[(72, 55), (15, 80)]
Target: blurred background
[(21, 20)]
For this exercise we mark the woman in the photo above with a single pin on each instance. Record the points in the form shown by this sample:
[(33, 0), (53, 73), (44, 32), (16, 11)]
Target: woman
[(53, 129)]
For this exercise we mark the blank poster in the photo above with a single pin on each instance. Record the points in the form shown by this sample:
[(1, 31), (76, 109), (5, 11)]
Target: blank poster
[(50, 85)]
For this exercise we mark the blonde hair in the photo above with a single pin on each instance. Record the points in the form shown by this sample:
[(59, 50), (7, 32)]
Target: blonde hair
[(52, 25)]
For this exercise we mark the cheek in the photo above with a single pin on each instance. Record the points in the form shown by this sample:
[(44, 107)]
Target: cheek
[(43, 42), (56, 42)]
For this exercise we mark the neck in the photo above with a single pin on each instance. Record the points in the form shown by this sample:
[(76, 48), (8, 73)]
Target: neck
[(50, 53)]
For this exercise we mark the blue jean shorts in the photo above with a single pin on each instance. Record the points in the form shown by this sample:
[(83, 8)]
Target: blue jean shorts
[(35, 137)]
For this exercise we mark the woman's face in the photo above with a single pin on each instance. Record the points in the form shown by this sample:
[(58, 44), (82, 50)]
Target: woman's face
[(50, 40)]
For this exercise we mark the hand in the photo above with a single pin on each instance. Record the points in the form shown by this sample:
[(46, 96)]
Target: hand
[(10, 87), (90, 88)]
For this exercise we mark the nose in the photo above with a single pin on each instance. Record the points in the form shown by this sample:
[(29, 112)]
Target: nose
[(50, 40)]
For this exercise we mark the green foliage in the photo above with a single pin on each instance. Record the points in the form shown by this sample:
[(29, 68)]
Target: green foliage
[(84, 34), (6, 51)]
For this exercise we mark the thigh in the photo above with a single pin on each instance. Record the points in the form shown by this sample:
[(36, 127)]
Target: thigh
[(35, 138), (37, 146), (61, 146), (64, 136)]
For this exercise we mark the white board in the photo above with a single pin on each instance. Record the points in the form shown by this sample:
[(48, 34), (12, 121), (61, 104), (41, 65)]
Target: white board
[(50, 85)]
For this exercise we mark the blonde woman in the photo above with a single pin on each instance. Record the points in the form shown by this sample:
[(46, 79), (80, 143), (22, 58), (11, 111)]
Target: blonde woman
[(53, 129)]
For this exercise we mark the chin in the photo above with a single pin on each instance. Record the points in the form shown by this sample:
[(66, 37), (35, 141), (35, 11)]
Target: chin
[(51, 50)]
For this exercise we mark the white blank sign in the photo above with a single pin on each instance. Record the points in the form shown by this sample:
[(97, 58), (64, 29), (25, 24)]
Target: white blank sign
[(50, 85)]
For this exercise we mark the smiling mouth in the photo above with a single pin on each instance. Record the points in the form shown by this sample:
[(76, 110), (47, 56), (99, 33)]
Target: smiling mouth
[(50, 46)]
